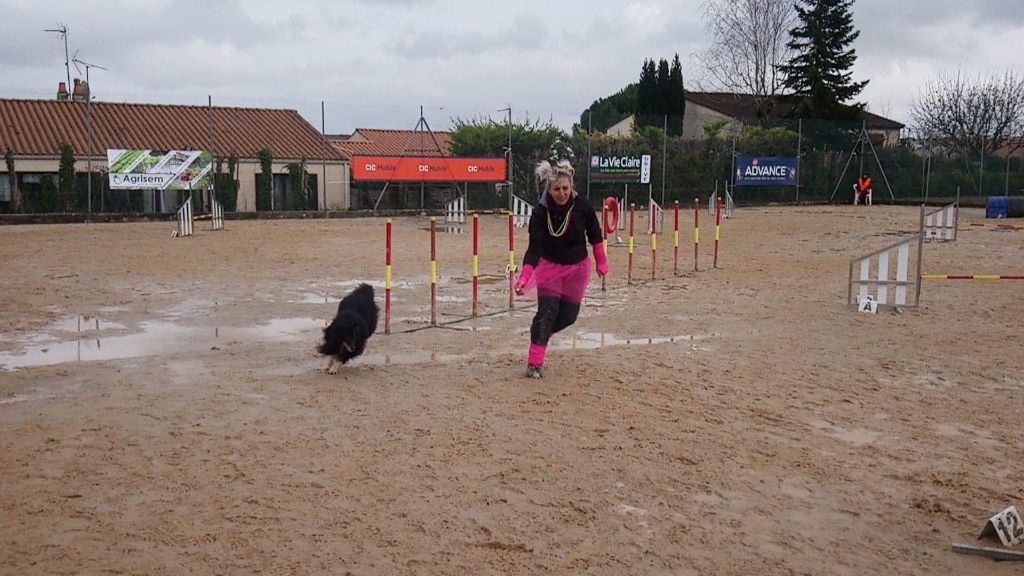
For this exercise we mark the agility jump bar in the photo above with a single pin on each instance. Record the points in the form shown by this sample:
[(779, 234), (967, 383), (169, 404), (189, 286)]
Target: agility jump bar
[(970, 277), (966, 225)]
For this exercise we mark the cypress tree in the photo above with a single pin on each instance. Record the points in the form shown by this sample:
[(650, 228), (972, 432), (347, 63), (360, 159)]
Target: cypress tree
[(647, 89)]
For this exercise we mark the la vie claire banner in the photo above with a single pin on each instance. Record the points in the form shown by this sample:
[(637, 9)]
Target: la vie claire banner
[(427, 169)]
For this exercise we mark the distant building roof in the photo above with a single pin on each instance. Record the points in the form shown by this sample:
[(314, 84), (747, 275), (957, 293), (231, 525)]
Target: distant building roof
[(375, 142), (39, 127), (743, 107)]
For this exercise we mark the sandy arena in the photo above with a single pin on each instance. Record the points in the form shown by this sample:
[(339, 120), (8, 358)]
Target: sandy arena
[(162, 409)]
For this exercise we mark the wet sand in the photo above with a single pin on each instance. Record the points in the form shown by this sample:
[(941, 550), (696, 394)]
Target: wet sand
[(162, 409)]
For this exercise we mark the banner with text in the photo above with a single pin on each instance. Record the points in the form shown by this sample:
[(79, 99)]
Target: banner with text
[(148, 169), (427, 169), (625, 169), (766, 171)]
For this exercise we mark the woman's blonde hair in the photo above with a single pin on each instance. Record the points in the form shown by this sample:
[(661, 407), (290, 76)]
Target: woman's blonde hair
[(548, 172)]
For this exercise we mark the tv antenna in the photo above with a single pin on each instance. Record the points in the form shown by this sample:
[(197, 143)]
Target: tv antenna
[(63, 31)]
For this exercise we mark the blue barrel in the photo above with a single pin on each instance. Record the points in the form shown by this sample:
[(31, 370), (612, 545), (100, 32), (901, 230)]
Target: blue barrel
[(998, 207)]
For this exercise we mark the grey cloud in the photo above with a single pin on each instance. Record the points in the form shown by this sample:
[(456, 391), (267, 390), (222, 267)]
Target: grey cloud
[(525, 33)]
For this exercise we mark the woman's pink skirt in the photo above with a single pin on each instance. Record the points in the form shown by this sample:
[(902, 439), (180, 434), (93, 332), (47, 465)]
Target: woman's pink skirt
[(565, 281)]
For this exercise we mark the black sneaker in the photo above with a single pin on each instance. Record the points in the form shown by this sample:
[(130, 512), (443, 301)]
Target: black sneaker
[(534, 371)]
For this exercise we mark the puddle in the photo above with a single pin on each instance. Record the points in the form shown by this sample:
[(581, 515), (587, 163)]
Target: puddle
[(412, 357), (156, 338), (312, 298), (590, 340)]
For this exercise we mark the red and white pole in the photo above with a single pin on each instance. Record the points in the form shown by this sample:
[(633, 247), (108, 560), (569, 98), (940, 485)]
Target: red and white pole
[(476, 262), (387, 278)]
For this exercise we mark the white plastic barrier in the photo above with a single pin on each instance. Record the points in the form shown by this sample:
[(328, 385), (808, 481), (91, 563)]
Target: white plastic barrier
[(185, 219), (727, 205), (455, 211), (941, 223), (877, 289), (216, 214), (655, 217), (521, 211)]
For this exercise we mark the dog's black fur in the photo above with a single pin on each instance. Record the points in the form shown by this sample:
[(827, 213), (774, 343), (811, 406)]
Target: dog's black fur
[(353, 325)]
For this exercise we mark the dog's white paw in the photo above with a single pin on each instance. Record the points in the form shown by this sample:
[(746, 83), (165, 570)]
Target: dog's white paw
[(333, 369)]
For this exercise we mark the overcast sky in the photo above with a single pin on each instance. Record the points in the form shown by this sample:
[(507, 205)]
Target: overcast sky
[(374, 62)]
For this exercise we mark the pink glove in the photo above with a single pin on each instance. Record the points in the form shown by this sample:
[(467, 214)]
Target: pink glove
[(601, 258), (524, 278)]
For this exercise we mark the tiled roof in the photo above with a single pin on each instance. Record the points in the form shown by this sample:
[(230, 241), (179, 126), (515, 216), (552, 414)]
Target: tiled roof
[(743, 107), (373, 142), (39, 127)]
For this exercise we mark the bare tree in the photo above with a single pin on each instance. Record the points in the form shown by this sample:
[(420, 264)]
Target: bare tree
[(970, 115), (12, 179), (748, 47)]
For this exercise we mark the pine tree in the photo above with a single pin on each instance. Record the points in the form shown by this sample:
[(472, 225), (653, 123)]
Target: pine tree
[(820, 72)]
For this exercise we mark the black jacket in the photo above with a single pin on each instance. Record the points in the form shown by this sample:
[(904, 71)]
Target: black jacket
[(570, 248)]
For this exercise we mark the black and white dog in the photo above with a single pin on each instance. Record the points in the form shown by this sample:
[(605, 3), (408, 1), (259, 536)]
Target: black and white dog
[(353, 325)]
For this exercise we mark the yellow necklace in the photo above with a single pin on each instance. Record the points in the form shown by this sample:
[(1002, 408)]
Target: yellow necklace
[(565, 224)]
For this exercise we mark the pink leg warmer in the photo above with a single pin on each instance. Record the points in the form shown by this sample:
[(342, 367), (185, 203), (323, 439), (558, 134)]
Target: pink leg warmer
[(536, 356)]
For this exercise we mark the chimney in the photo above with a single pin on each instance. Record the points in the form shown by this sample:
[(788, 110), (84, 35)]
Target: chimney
[(62, 91), (78, 93)]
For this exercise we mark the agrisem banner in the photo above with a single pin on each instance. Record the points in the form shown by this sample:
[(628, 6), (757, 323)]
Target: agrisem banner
[(766, 171), (427, 169), (146, 169)]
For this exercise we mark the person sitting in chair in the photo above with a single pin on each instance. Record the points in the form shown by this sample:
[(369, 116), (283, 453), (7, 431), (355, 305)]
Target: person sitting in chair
[(862, 189)]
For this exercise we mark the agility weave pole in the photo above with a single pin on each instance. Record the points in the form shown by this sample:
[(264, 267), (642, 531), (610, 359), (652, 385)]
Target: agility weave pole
[(675, 239), (476, 263), (696, 231), (387, 278), (718, 228)]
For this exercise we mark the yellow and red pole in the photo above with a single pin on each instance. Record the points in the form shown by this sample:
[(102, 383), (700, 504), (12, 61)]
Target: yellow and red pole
[(675, 239), (511, 261), (433, 271), (476, 262), (696, 230), (718, 226), (387, 277)]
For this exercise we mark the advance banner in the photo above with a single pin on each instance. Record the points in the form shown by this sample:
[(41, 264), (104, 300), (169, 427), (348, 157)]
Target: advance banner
[(147, 169), (766, 171), (626, 169), (427, 169)]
